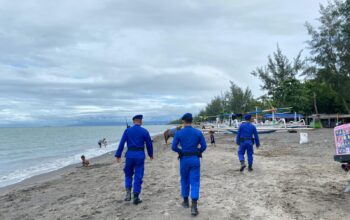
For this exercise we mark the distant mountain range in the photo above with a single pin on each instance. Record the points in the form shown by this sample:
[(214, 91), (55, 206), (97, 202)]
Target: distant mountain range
[(116, 123), (79, 123), (89, 121)]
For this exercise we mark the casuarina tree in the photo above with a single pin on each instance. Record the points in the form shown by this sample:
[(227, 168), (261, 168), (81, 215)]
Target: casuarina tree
[(330, 49), (279, 78)]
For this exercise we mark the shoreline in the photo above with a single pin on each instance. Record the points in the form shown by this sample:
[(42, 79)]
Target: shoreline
[(51, 175), (54, 174), (289, 181)]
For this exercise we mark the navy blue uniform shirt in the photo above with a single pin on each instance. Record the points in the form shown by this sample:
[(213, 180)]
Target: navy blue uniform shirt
[(247, 130), (136, 136), (189, 139)]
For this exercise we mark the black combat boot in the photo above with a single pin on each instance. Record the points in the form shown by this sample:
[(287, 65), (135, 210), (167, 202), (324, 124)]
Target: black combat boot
[(186, 203), (137, 200), (128, 194), (194, 209), (243, 166), (345, 167), (250, 168)]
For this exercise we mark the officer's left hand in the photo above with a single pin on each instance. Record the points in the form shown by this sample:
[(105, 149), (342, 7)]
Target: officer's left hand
[(151, 158), (118, 159)]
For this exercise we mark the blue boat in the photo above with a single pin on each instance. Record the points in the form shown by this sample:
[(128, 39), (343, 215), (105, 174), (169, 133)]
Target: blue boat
[(259, 131)]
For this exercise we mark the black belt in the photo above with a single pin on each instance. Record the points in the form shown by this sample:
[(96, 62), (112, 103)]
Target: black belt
[(136, 149), (190, 154), (246, 139)]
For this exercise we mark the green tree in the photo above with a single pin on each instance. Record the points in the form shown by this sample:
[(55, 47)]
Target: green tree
[(327, 100), (279, 78), (214, 108), (330, 49), (238, 100)]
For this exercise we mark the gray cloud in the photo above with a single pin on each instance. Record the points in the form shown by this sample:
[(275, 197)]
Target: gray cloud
[(62, 61)]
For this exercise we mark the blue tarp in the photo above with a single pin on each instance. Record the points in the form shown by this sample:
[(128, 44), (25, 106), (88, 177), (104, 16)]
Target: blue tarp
[(284, 115), (256, 112)]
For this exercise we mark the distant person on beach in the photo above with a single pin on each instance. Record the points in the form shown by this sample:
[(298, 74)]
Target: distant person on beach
[(135, 137), (246, 141), (212, 138), (189, 138), (84, 161), (102, 142)]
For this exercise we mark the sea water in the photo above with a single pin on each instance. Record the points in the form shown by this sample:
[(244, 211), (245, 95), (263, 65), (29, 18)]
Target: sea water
[(26, 152)]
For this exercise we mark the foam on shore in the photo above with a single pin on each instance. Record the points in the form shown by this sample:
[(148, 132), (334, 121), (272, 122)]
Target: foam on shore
[(55, 164)]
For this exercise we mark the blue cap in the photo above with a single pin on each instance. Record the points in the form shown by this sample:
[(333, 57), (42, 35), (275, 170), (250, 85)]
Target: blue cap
[(187, 117), (137, 117), (247, 117)]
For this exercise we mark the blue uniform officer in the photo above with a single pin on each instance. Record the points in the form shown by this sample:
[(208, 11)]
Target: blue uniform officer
[(246, 141), (189, 139), (135, 137)]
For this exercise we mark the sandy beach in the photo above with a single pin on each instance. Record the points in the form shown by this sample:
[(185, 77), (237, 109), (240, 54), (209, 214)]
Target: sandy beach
[(289, 181)]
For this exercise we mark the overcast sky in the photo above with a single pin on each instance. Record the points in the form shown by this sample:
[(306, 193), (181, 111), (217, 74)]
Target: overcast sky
[(66, 61)]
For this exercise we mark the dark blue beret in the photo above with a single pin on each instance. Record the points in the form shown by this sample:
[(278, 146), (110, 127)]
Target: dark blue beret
[(247, 117), (187, 117), (137, 117)]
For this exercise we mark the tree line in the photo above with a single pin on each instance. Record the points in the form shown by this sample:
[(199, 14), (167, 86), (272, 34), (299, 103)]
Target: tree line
[(318, 83)]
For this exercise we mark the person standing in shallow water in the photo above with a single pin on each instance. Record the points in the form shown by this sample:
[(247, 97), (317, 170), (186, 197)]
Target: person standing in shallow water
[(189, 138), (246, 141), (135, 137)]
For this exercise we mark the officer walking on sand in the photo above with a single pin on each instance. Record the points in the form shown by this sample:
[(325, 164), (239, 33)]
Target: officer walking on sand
[(189, 138), (135, 137), (246, 141)]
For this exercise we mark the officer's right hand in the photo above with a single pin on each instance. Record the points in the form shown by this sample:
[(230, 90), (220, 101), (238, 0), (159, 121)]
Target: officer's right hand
[(118, 159), (151, 158)]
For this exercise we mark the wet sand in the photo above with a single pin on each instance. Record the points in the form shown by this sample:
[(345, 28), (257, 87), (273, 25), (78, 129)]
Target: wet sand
[(289, 181)]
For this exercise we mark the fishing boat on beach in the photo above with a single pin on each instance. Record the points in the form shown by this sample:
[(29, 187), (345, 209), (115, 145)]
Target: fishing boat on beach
[(266, 121)]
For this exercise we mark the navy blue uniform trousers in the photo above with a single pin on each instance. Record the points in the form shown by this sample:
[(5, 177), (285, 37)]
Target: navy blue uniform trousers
[(190, 176), (246, 146), (134, 166)]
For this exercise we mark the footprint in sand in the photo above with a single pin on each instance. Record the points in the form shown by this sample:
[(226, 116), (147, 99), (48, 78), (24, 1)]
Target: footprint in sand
[(96, 212)]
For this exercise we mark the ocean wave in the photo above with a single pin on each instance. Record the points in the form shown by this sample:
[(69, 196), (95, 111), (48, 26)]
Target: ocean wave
[(51, 164), (19, 175)]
